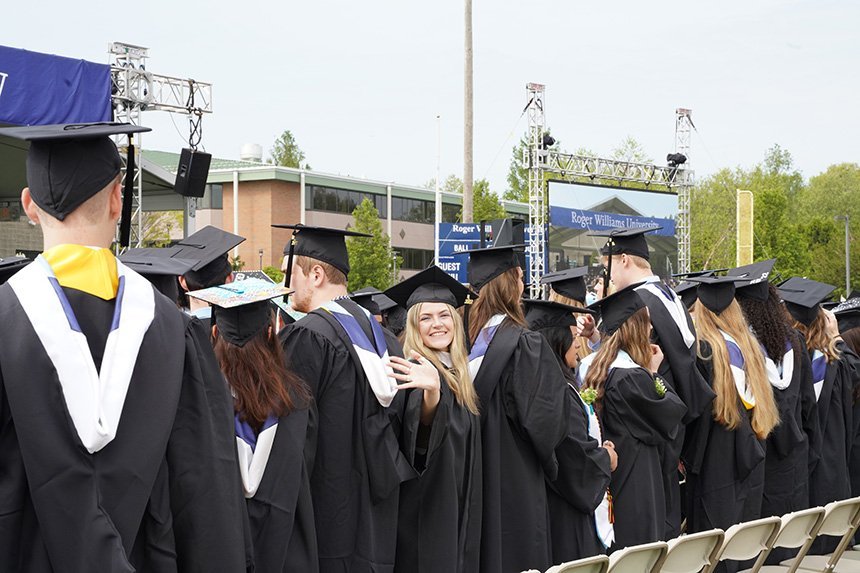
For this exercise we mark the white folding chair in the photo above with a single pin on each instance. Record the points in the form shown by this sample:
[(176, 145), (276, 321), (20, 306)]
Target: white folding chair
[(797, 529), (853, 553), (841, 518), (693, 552), (645, 558), (748, 540), (596, 564)]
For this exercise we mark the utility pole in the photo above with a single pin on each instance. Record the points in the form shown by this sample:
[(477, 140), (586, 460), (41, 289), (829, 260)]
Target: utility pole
[(469, 120), (846, 218)]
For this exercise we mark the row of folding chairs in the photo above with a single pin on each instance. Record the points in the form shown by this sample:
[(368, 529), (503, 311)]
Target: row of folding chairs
[(753, 540)]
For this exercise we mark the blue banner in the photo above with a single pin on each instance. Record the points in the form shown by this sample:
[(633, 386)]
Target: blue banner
[(41, 89), (601, 221), (457, 238)]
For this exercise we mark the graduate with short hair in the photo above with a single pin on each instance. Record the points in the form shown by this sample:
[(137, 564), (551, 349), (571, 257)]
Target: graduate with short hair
[(342, 352), (115, 430)]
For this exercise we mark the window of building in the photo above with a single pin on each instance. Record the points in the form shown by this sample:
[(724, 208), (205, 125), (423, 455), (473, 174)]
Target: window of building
[(213, 197), (320, 198), (414, 259)]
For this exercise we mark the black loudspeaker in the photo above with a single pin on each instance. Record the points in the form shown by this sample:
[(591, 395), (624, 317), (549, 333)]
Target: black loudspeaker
[(508, 232), (192, 173)]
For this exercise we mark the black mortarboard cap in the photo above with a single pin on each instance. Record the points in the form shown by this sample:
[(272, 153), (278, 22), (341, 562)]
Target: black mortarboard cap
[(321, 243), (716, 293), (625, 241), (488, 263), (430, 285), (848, 314), (208, 247), (546, 314), (69, 163), (11, 265), (245, 312), (616, 308), (158, 267), (802, 297), (686, 289), (373, 299), (758, 275), (569, 282)]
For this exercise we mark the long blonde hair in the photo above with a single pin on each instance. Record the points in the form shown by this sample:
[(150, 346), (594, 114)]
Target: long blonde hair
[(764, 417), (584, 349), (458, 379), (631, 337), (499, 296), (816, 336)]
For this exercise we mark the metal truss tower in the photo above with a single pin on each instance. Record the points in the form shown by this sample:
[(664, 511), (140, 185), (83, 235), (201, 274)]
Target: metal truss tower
[(541, 162), (135, 90), (535, 161), (684, 176)]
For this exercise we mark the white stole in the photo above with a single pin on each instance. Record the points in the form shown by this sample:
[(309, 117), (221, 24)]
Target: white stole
[(674, 306), (94, 398)]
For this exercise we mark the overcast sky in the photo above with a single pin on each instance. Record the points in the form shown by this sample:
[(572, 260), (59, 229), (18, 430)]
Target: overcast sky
[(360, 83)]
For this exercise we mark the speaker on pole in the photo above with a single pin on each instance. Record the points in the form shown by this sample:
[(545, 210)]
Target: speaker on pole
[(192, 173)]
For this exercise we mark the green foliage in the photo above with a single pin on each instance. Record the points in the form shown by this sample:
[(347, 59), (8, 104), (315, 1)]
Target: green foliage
[(631, 151), (451, 184), (274, 273), (237, 263), (370, 259), (485, 203), (159, 226), (793, 222), (286, 152)]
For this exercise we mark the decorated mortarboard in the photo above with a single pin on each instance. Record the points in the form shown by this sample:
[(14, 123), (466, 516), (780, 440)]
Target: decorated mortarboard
[(616, 308), (208, 247), (758, 275), (321, 243), (68, 164), (625, 241), (847, 314), (802, 297), (158, 267), (569, 282), (11, 265), (241, 309), (373, 299), (717, 293), (430, 285), (488, 263), (547, 314)]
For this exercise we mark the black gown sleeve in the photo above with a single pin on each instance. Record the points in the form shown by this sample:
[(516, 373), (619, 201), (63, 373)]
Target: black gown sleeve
[(809, 406), (205, 493), (650, 418), (536, 397), (583, 473), (13, 485)]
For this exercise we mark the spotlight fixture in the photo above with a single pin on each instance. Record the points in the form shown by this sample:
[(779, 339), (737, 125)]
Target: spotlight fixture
[(548, 140), (676, 159)]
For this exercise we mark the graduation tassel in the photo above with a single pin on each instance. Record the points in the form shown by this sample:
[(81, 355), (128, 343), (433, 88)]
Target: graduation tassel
[(611, 509), (127, 197), (467, 304), (289, 270), (609, 244)]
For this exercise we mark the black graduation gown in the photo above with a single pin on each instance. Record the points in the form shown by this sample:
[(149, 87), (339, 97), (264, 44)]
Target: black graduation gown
[(639, 421), (787, 460), (281, 513), (725, 468), (359, 466), (679, 371), (439, 524), (830, 480), (524, 420), (583, 478), (164, 495)]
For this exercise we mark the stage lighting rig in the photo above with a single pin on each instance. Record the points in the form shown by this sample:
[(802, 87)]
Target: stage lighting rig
[(676, 159)]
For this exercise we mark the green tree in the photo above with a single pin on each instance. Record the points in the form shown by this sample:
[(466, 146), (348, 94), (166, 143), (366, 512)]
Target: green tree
[(485, 203), (159, 227), (630, 150), (287, 153), (370, 259), (274, 273), (451, 184)]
